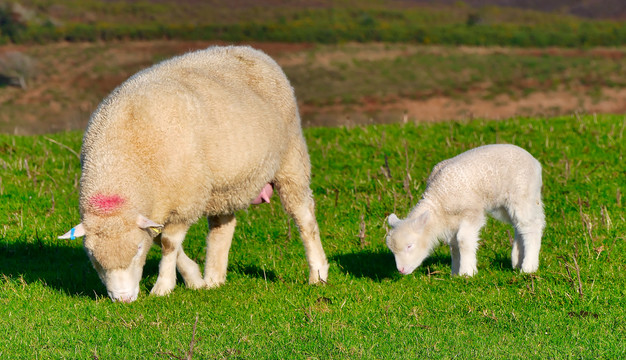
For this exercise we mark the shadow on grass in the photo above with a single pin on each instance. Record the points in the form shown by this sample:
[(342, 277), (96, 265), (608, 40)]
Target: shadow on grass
[(253, 271), (63, 268), (501, 262), (381, 265), (373, 265), (5, 81), (435, 261)]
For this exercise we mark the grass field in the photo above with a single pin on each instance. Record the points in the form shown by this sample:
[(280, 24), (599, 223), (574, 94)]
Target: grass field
[(54, 306)]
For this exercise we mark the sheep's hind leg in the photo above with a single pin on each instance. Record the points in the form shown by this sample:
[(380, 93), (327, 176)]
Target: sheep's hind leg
[(221, 230), (292, 184), (467, 242), (173, 255), (304, 216)]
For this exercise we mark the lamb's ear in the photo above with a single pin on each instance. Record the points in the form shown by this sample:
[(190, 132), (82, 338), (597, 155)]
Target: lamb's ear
[(147, 224), (421, 221), (393, 220), (77, 231)]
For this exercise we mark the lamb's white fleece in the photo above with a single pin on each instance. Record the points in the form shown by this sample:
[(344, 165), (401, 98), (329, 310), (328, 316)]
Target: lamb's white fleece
[(502, 180)]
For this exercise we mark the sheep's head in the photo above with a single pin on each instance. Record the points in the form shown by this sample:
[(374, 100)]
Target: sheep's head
[(410, 241), (117, 248)]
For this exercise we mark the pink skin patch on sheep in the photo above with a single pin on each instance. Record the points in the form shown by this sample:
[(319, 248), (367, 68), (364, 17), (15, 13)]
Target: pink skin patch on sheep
[(106, 204), (265, 195)]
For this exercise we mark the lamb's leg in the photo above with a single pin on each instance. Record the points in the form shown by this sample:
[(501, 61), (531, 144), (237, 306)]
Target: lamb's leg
[(467, 240), (528, 240), (221, 230), (532, 244), (529, 224), (455, 255), (517, 251), (292, 184), (171, 247)]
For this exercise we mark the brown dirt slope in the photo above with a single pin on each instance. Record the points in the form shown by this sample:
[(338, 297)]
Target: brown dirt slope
[(73, 78)]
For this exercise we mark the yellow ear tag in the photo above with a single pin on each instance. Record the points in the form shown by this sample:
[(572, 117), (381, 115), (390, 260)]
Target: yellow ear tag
[(156, 231)]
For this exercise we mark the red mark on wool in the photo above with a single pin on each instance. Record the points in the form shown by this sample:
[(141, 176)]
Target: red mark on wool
[(106, 204)]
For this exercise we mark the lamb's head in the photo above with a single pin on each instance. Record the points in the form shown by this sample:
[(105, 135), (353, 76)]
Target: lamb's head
[(117, 248), (410, 241)]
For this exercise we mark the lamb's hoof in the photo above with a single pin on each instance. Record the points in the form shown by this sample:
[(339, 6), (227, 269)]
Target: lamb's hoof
[(529, 268), (162, 288), (467, 273)]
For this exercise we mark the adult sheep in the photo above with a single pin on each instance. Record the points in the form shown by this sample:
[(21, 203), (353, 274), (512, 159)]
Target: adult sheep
[(201, 134), (502, 180)]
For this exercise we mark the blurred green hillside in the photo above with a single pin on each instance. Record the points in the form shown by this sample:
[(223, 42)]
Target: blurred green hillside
[(322, 21)]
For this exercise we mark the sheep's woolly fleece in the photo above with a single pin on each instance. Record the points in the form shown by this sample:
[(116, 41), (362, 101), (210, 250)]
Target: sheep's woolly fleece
[(202, 134)]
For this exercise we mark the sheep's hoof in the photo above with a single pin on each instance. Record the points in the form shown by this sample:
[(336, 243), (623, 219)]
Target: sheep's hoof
[(195, 283), (320, 275), (211, 284), (162, 288)]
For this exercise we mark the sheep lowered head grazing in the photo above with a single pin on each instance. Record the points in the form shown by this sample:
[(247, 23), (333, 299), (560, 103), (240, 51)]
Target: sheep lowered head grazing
[(502, 180), (202, 134)]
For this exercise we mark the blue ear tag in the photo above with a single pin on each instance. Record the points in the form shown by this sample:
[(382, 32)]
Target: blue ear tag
[(72, 237)]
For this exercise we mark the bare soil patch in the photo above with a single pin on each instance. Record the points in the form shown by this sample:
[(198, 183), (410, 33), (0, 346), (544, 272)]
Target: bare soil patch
[(472, 106), (72, 79)]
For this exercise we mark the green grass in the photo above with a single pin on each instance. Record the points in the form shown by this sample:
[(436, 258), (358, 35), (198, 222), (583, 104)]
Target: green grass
[(54, 306)]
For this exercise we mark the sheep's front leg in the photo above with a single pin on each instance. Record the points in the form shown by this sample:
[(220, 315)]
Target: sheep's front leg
[(467, 242), (221, 230), (189, 270), (171, 245)]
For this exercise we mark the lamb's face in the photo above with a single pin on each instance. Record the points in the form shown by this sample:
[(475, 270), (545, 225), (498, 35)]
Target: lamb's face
[(118, 253), (409, 242)]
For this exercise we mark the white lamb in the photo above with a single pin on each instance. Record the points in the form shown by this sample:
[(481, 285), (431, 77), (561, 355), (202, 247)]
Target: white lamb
[(502, 180), (201, 134)]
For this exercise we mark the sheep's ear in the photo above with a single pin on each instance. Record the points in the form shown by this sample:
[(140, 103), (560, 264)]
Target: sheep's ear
[(393, 220), (421, 221), (147, 224), (77, 231)]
